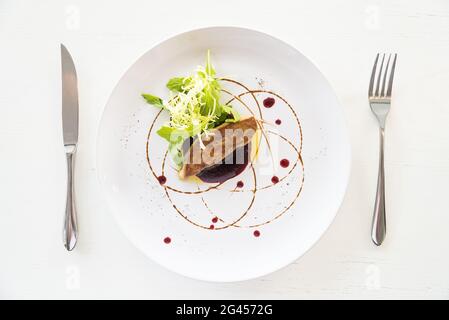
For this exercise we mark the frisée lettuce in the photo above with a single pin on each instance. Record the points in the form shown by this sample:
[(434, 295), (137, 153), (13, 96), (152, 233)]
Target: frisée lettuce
[(194, 108)]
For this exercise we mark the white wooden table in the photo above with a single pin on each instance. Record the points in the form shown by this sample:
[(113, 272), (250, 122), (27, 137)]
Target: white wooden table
[(341, 37)]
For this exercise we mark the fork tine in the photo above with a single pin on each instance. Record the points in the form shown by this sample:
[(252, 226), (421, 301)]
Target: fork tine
[(390, 81), (379, 75), (382, 94), (373, 74)]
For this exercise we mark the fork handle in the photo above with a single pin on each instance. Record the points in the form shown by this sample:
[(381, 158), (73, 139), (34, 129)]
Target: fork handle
[(70, 232), (379, 228)]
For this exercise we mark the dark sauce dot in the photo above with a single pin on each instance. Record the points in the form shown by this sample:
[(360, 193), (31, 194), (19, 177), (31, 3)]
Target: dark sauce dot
[(256, 233), (167, 240), (284, 163), (278, 122), (214, 220), (269, 102), (162, 179), (212, 227), (240, 184), (275, 179)]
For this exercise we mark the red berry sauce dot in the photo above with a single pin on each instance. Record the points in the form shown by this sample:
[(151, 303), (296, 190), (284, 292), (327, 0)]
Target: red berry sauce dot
[(214, 220), (167, 240), (240, 184), (256, 233), (162, 179), (212, 227), (268, 102), (278, 122), (284, 163), (275, 179)]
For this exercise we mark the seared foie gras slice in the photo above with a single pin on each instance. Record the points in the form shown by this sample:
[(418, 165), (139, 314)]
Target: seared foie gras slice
[(220, 142)]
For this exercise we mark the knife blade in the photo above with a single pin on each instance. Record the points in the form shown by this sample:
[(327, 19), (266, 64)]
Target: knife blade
[(70, 136), (69, 98)]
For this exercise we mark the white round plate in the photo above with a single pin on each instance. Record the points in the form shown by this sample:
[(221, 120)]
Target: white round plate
[(287, 217)]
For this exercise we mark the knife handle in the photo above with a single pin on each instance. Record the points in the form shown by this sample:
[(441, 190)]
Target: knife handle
[(70, 232)]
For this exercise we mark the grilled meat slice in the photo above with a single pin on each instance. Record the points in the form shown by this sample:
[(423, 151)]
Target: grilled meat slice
[(217, 145)]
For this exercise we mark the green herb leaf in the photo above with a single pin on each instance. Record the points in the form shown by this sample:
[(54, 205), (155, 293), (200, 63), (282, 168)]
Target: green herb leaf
[(165, 132), (153, 100), (221, 119), (173, 135), (176, 138), (231, 111), (211, 98), (209, 69), (176, 84), (175, 151)]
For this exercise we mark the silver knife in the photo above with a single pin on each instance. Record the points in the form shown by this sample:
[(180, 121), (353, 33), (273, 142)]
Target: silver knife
[(70, 133)]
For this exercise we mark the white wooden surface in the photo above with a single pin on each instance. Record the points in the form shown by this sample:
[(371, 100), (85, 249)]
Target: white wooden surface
[(341, 37)]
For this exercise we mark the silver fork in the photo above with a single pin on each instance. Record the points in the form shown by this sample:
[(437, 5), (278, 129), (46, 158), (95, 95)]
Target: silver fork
[(380, 102)]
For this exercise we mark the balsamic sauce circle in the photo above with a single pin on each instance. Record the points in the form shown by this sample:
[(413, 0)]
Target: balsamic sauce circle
[(274, 178)]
